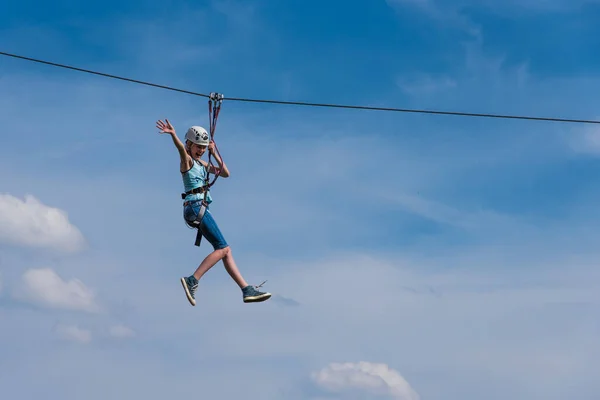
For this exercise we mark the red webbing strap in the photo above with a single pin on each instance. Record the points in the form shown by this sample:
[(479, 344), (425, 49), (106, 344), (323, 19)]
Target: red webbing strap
[(214, 107)]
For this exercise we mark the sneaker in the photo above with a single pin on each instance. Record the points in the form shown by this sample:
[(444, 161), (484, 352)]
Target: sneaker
[(252, 295), (190, 285)]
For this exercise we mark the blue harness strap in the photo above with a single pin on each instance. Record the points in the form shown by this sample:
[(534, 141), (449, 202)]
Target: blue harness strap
[(198, 223)]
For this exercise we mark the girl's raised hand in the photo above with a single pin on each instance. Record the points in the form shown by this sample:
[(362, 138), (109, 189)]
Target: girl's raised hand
[(165, 127)]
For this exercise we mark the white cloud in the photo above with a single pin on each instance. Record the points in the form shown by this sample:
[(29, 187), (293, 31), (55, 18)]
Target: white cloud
[(29, 222), (370, 378), (46, 288), (425, 84), (440, 12), (419, 3), (511, 5), (532, 5), (585, 141), (74, 333), (121, 331), (474, 220), (481, 225)]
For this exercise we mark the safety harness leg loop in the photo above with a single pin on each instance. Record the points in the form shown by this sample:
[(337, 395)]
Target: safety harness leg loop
[(198, 223)]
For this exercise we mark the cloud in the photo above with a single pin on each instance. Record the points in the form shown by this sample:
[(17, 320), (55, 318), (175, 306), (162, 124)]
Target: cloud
[(442, 13), (473, 220), (74, 333), (285, 301), (533, 5), (121, 331), (585, 141), (31, 223), (370, 378), (415, 3), (425, 84), (46, 288)]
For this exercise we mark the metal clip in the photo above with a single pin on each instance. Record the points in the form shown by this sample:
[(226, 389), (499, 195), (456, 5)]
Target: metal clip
[(216, 96)]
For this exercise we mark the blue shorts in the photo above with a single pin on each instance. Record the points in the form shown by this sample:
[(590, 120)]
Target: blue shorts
[(210, 229)]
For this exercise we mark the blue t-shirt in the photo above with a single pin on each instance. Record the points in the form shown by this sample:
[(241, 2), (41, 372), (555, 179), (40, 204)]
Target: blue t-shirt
[(194, 178)]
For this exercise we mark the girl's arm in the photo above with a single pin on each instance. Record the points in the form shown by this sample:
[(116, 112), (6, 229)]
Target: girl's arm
[(224, 171), (185, 160)]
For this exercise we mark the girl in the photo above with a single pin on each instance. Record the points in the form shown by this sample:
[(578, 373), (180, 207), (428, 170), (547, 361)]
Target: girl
[(194, 174)]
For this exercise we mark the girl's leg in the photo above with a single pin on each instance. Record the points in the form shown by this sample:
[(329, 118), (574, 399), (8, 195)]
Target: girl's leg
[(213, 258), (190, 283), (250, 294), (213, 234), (222, 251), (209, 262), (232, 269)]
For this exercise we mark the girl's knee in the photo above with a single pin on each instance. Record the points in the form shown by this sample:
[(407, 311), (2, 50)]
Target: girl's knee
[(224, 252)]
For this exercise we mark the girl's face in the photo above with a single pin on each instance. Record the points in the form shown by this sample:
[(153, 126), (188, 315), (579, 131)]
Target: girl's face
[(196, 151)]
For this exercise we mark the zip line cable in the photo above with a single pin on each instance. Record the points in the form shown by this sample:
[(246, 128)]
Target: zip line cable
[(297, 103), (102, 74)]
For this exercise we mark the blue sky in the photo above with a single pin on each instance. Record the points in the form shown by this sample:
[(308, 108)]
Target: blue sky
[(411, 256)]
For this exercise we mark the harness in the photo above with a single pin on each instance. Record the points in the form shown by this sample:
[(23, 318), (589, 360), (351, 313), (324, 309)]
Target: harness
[(214, 107)]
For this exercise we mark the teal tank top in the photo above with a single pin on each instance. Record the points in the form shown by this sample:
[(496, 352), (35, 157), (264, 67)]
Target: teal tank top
[(195, 178)]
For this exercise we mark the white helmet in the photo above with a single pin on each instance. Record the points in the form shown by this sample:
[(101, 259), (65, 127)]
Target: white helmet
[(198, 135)]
